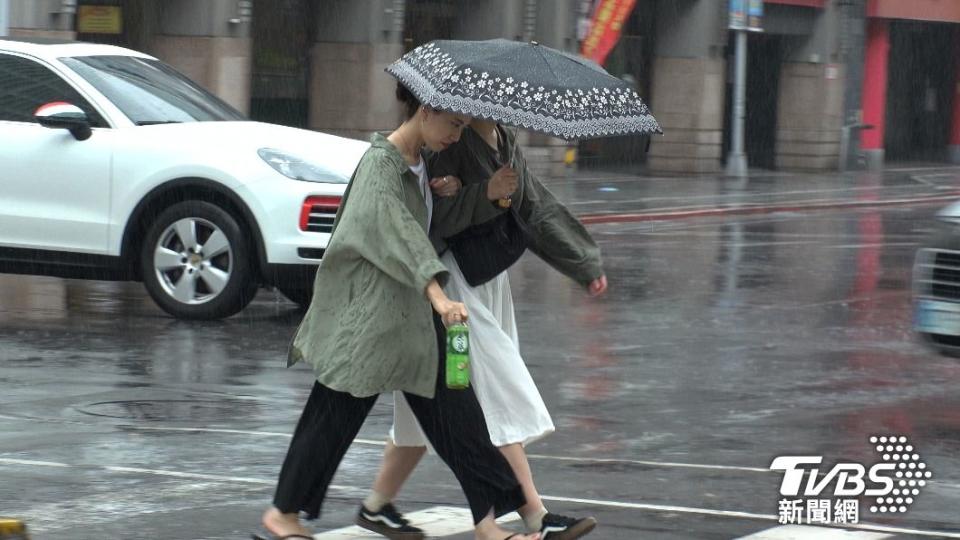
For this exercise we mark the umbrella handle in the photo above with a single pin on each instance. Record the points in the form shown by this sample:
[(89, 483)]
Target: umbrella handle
[(513, 149), (507, 202)]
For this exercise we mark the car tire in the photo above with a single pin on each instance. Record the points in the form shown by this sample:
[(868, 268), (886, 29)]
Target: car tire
[(302, 296), (195, 263)]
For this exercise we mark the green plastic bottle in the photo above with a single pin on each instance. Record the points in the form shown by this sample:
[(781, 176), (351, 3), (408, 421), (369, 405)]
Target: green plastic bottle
[(458, 357)]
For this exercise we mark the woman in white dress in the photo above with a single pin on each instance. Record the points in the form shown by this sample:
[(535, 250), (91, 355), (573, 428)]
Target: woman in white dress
[(513, 408)]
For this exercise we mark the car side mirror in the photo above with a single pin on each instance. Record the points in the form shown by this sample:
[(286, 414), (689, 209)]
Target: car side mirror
[(63, 115)]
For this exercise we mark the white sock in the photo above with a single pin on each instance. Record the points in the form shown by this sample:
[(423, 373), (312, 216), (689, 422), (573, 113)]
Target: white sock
[(534, 521), (375, 501)]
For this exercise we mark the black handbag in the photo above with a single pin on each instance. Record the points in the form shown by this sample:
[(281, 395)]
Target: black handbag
[(486, 250)]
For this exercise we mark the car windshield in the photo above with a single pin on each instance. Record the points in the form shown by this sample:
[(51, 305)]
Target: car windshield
[(149, 91)]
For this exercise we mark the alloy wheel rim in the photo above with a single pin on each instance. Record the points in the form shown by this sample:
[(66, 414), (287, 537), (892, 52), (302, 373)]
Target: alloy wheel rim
[(193, 261)]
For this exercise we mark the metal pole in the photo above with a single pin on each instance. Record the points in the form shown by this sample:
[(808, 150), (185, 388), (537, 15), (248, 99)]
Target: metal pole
[(4, 17), (853, 14), (737, 159)]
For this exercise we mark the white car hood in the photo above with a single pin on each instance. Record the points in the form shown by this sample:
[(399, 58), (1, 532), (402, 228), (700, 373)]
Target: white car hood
[(231, 138)]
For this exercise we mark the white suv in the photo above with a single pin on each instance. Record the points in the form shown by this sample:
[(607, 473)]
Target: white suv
[(115, 166)]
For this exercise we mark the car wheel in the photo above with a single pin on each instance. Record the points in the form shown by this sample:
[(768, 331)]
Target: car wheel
[(195, 264), (298, 295)]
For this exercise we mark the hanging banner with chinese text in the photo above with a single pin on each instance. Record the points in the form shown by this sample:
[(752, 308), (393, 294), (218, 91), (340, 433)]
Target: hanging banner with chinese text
[(605, 28)]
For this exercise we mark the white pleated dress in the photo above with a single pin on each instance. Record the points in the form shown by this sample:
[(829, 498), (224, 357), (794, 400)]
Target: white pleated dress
[(511, 402)]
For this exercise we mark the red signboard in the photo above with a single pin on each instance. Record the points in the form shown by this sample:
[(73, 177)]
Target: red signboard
[(918, 10), (605, 28)]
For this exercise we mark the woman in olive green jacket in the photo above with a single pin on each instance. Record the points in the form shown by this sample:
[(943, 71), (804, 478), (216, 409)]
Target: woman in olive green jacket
[(514, 410), (369, 330)]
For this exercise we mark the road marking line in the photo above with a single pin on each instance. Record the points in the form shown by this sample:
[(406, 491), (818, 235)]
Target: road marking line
[(11, 461), (193, 476), (651, 463), (906, 169), (590, 502), (211, 430), (729, 513), (155, 472), (735, 514), (743, 198), (803, 532), (660, 507), (725, 211), (872, 245)]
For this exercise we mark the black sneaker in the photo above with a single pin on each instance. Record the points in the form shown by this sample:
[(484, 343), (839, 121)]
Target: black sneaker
[(557, 527), (390, 523)]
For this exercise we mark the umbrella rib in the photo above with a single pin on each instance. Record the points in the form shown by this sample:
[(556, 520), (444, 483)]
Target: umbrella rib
[(486, 56), (547, 62), (573, 61)]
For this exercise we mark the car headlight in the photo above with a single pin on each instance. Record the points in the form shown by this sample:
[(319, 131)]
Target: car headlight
[(299, 168)]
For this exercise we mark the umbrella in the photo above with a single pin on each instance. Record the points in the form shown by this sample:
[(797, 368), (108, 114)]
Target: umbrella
[(525, 85)]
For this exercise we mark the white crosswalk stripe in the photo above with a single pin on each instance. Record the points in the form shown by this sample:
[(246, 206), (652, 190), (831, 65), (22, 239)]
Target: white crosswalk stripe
[(807, 532), (437, 522)]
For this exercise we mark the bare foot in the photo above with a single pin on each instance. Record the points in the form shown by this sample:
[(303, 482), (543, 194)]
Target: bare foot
[(280, 524)]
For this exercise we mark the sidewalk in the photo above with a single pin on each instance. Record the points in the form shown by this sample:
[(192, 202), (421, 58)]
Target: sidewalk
[(603, 197)]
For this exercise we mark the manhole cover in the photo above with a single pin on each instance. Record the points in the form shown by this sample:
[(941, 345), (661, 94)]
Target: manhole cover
[(168, 410)]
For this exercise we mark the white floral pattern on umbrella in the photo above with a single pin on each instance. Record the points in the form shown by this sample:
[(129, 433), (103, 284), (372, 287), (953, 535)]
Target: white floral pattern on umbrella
[(439, 81)]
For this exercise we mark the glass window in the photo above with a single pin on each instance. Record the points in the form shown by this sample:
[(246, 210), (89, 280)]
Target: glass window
[(26, 84), (149, 91)]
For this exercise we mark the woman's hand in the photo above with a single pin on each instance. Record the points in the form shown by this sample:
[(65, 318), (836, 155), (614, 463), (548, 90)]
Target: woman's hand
[(503, 184), (598, 287), (451, 312), (446, 186)]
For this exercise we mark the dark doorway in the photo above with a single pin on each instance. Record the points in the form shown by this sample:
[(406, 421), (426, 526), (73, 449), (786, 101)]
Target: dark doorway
[(426, 20), (919, 91), (284, 32), (764, 56)]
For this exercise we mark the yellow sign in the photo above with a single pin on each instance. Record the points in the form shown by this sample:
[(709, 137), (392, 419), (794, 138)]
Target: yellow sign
[(14, 529), (99, 20)]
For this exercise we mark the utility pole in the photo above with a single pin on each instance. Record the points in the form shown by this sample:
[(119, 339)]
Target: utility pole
[(737, 158), (853, 16), (745, 16)]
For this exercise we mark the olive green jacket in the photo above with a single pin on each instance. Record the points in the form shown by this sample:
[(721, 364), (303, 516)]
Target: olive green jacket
[(558, 237), (369, 328)]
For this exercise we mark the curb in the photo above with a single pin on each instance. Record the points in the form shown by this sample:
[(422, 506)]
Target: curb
[(666, 215)]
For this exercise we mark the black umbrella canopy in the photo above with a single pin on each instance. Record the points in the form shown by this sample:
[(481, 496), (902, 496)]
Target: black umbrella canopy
[(526, 85)]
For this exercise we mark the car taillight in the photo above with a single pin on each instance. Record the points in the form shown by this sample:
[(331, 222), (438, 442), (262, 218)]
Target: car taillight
[(318, 213)]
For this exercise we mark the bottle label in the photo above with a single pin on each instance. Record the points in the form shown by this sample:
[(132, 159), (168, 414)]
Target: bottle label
[(459, 343)]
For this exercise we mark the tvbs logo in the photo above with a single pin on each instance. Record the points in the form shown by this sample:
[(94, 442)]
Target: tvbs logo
[(894, 481)]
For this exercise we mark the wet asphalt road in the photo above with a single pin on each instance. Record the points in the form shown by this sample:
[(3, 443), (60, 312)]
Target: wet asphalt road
[(722, 344)]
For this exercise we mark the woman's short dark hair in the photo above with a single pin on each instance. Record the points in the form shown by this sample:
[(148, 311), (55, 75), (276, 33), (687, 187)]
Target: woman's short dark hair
[(410, 102)]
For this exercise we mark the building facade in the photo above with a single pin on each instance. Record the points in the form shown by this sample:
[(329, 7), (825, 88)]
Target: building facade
[(911, 90), (874, 79)]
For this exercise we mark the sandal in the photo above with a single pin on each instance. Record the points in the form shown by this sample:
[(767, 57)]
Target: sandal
[(285, 537)]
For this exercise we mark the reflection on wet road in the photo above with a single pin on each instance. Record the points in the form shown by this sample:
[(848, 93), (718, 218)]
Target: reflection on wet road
[(722, 344)]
